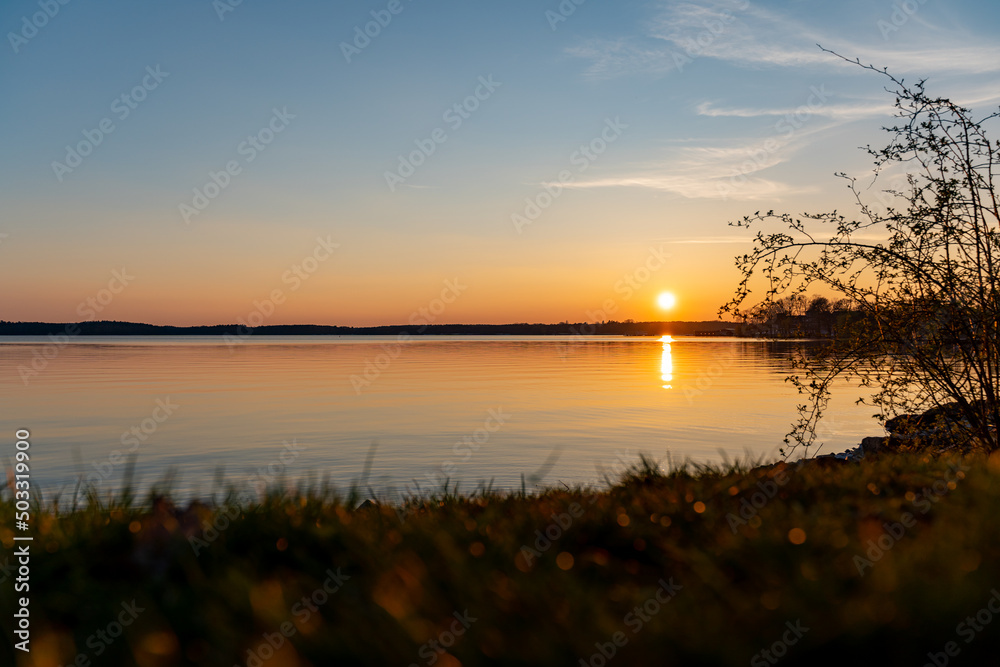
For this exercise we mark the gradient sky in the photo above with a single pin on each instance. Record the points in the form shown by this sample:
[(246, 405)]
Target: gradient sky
[(699, 92)]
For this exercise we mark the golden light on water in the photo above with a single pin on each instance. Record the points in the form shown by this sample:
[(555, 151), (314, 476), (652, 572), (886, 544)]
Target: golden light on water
[(667, 363)]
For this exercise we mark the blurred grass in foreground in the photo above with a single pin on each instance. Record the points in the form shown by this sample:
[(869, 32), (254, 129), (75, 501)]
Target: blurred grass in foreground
[(455, 571)]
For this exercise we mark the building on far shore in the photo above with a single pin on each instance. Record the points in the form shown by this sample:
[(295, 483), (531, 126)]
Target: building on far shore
[(715, 332)]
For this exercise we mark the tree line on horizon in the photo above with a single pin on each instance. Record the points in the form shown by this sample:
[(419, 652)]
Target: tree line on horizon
[(116, 328), (795, 316)]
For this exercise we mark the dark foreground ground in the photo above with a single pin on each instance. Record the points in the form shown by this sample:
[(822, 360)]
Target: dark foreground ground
[(894, 561)]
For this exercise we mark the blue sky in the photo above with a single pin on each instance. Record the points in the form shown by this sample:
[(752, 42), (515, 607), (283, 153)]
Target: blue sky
[(702, 93)]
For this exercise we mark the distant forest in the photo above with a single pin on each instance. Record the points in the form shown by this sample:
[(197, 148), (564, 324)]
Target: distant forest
[(610, 328)]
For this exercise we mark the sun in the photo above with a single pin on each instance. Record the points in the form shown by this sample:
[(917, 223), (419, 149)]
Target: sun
[(666, 300)]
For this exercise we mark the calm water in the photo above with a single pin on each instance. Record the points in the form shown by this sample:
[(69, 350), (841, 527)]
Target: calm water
[(474, 408)]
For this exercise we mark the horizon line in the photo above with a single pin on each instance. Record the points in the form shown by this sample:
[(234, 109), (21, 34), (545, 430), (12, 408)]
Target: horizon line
[(422, 325)]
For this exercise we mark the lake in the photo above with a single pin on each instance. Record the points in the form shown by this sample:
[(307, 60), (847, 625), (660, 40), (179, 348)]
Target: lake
[(553, 409)]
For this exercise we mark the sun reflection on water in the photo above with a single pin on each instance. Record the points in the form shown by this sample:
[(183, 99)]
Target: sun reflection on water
[(667, 363)]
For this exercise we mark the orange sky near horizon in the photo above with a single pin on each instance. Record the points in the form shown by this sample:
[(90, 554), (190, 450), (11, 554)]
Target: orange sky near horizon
[(547, 183), (623, 283)]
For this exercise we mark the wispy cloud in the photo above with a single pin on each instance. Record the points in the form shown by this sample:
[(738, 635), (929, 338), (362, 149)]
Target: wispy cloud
[(709, 240), (840, 112), (705, 187), (731, 171), (748, 35), (612, 57)]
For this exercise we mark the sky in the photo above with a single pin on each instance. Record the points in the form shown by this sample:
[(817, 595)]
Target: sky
[(392, 161)]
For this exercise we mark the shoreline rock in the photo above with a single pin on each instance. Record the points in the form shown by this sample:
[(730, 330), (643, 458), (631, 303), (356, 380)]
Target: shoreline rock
[(937, 430)]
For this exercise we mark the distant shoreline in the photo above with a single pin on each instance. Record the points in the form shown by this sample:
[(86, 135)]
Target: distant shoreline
[(612, 328)]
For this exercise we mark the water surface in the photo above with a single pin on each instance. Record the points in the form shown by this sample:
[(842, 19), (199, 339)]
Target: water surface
[(471, 408)]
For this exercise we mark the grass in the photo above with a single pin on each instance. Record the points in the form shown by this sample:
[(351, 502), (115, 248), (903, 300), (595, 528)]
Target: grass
[(549, 578)]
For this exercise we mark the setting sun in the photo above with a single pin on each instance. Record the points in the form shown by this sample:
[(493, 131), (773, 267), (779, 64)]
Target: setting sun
[(666, 300)]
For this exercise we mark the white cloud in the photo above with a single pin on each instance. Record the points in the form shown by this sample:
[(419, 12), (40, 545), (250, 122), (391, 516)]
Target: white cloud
[(840, 111), (709, 240), (718, 171), (704, 173), (751, 36), (610, 58)]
